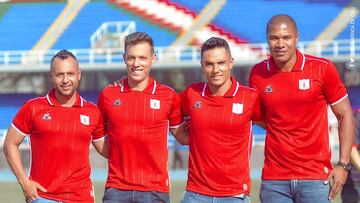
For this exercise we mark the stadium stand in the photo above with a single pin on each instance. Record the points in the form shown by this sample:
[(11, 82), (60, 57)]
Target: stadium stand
[(24, 32), (3, 9), (19, 26), (77, 35), (195, 6), (9, 105), (351, 30), (6, 115), (254, 30)]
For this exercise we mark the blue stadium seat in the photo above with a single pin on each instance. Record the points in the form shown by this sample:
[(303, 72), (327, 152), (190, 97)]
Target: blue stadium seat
[(77, 35), (252, 16), (23, 28), (351, 30), (25, 23), (194, 6), (235, 16), (6, 116)]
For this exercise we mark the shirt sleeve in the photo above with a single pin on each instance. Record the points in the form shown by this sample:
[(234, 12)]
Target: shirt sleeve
[(104, 118), (334, 89), (251, 78), (99, 130), (184, 104), (22, 120), (175, 116), (258, 110)]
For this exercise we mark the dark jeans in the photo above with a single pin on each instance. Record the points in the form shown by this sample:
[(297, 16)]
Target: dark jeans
[(191, 197), (351, 193), (113, 195), (294, 191)]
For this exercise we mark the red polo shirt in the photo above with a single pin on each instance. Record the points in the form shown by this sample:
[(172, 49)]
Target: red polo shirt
[(60, 138), (138, 124), (297, 140), (220, 138)]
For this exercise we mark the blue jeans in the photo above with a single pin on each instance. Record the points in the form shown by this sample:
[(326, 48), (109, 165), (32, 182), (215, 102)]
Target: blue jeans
[(350, 193), (294, 191), (190, 197), (113, 195), (43, 200)]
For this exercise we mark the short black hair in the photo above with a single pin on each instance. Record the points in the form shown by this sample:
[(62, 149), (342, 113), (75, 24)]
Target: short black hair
[(214, 42), (63, 54), (138, 37)]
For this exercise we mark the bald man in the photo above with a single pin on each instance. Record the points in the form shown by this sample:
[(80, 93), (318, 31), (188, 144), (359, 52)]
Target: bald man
[(295, 90)]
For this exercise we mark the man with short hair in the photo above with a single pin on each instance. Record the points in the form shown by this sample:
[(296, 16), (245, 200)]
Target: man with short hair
[(60, 127), (295, 90), (137, 116), (221, 111)]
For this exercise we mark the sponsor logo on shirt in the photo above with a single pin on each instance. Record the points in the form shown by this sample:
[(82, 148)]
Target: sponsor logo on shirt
[(268, 89), (46, 117), (197, 104), (154, 104), (237, 108), (304, 84), (84, 119), (117, 102)]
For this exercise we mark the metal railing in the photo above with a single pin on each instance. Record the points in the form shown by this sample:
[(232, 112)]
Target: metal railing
[(118, 29), (338, 49)]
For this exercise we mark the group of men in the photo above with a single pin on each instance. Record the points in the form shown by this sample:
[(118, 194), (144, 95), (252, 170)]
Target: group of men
[(288, 96)]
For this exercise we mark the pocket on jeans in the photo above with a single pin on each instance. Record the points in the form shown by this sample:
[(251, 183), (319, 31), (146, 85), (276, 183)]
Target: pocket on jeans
[(160, 196), (316, 185), (108, 194)]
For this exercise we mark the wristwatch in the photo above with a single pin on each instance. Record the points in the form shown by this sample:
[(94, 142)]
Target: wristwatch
[(345, 166)]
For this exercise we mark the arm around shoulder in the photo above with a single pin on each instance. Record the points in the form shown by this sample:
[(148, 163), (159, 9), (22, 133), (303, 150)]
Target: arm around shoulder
[(101, 146), (181, 133)]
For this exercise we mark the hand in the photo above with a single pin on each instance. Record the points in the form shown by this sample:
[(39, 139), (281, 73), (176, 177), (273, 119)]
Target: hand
[(338, 176), (120, 82), (30, 188)]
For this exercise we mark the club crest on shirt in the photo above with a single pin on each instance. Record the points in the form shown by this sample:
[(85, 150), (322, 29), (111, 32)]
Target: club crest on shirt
[(117, 102), (237, 108), (46, 117), (84, 119), (268, 89), (197, 104), (304, 84), (154, 104)]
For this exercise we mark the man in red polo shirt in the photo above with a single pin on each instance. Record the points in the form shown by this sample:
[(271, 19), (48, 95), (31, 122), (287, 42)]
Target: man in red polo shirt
[(61, 127), (137, 116), (220, 138), (295, 90)]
